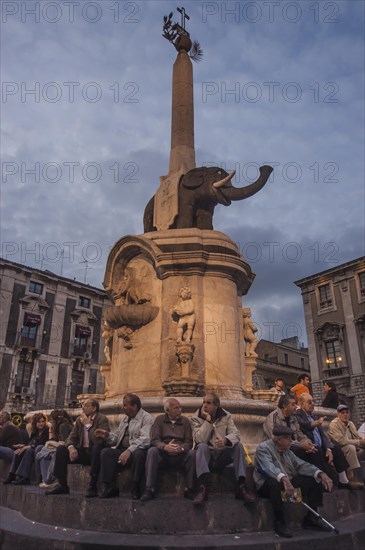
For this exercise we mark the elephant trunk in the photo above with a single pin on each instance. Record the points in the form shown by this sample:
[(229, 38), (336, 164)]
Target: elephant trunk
[(237, 194)]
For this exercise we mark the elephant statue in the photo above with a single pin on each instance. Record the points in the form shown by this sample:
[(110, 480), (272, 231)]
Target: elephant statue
[(199, 191)]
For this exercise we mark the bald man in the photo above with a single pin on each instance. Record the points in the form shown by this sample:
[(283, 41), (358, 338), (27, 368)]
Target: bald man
[(171, 445)]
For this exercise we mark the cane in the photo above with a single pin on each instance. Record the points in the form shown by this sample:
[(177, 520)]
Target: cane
[(298, 499), (320, 517)]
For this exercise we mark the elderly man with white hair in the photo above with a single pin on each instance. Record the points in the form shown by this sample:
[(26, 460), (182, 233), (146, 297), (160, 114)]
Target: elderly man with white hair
[(171, 445)]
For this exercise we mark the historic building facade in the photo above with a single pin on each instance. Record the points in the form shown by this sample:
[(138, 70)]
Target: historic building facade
[(334, 308), (286, 359), (50, 341)]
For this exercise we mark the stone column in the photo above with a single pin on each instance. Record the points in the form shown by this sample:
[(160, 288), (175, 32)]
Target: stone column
[(182, 154)]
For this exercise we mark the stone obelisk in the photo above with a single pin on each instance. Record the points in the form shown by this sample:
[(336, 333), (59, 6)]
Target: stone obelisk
[(182, 154)]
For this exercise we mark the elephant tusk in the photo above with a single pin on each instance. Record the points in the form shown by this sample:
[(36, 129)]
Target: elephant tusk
[(225, 180)]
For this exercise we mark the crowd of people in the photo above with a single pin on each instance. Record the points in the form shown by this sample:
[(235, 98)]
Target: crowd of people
[(296, 451)]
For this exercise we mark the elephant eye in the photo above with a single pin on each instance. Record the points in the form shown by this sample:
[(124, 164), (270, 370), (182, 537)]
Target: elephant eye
[(219, 172)]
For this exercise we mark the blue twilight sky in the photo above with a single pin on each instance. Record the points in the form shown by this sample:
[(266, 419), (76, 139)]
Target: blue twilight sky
[(86, 99)]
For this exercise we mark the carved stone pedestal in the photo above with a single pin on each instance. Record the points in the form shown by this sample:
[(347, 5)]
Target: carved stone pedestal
[(178, 295), (183, 386)]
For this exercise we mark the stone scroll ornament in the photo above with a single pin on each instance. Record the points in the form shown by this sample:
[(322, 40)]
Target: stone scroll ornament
[(249, 333), (133, 309)]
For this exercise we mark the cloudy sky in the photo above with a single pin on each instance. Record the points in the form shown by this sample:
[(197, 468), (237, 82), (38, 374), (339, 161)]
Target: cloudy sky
[(86, 99)]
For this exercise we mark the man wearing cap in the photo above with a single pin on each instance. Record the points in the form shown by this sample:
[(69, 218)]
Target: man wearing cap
[(278, 471), (343, 432)]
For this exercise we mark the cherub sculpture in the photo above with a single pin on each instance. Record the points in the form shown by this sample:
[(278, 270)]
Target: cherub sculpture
[(249, 333), (183, 312)]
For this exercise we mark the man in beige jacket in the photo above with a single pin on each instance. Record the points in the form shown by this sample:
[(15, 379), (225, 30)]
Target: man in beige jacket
[(343, 432)]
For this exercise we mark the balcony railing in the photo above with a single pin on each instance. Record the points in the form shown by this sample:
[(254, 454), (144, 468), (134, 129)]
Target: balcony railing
[(335, 372)]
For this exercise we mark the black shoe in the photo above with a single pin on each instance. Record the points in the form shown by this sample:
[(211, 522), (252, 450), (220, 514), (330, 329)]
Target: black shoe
[(92, 492), (110, 493), (312, 522), (283, 530), (243, 494), (21, 481), (9, 479), (59, 490), (201, 497), (148, 495), (135, 492), (188, 493)]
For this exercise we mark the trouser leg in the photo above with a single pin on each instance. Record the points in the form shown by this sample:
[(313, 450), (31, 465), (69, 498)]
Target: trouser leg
[(202, 459), (42, 466), (137, 463), (239, 462), (61, 461), (351, 456), (189, 467), (154, 457), (272, 489), (25, 466), (95, 460), (15, 463), (339, 459), (108, 464), (6, 454), (312, 491)]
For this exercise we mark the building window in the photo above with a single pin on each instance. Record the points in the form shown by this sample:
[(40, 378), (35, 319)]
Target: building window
[(325, 296), (37, 288), (333, 354), (82, 334), (302, 362), (266, 357), (362, 284), (24, 372), (30, 329), (84, 302), (286, 359), (77, 382)]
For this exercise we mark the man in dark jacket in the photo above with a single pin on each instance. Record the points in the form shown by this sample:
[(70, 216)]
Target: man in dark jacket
[(328, 453), (171, 445), (78, 447), (9, 437)]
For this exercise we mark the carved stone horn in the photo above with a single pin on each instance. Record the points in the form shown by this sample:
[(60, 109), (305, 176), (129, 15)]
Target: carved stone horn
[(239, 193), (225, 180)]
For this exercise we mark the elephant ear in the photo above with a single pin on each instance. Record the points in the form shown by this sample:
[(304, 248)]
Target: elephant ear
[(194, 178)]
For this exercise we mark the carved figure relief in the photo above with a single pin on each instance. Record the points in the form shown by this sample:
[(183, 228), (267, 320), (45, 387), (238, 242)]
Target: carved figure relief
[(132, 309), (107, 335), (183, 313), (249, 333)]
